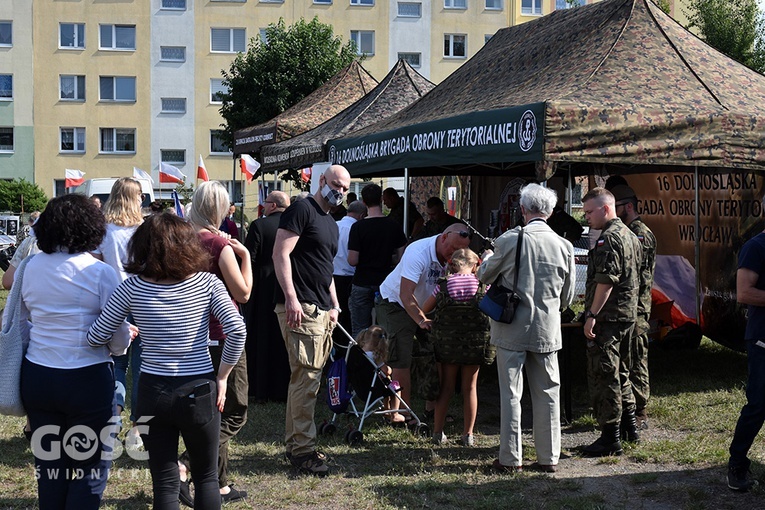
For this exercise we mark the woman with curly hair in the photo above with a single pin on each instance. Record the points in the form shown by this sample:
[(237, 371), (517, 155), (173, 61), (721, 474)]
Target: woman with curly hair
[(67, 384)]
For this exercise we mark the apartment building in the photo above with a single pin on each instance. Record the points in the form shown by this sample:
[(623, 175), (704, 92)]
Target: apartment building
[(103, 87)]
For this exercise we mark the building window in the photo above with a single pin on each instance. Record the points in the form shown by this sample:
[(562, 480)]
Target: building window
[(455, 45), (6, 87), (272, 1), (263, 34), (216, 89), (362, 2), (176, 157), (228, 40), (531, 6), (172, 53), (179, 5), (71, 35), (218, 142), (6, 33), (413, 59), (72, 87), (72, 140), (494, 5), (487, 37), (564, 4), (173, 105), (6, 139), (365, 41), (117, 37), (323, 2), (410, 9), (115, 140), (455, 4), (117, 88)]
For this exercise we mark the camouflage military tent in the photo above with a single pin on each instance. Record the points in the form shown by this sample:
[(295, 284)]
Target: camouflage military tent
[(340, 91), (616, 83), (400, 88)]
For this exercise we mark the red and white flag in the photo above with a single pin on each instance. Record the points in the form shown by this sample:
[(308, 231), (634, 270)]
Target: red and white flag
[(305, 174), (140, 174), (169, 173), (74, 178), (249, 166), (202, 171)]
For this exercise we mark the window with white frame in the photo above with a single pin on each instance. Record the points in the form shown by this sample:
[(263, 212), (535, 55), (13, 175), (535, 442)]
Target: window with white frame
[(410, 9), (117, 37), (272, 1), (172, 53), (177, 5), (263, 34), (72, 139), (72, 87), (216, 89), (218, 142), (455, 45), (323, 2), (116, 140), (117, 88), (564, 4), (228, 40), (362, 2), (176, 157), (71, 35), (494, 5), (413, 59), (6, 33), (6, 139), (531, 6), (173, 105), (455, 4), (6, 87), (365, 41)]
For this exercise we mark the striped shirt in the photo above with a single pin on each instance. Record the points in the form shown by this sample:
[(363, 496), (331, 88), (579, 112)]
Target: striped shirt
[(461, 287), (173, 320)]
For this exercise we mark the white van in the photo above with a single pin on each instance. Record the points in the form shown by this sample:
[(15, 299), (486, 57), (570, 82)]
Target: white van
[(103, 187)]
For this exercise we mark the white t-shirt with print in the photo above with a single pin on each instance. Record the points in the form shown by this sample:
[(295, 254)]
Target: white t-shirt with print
[(419, 264)]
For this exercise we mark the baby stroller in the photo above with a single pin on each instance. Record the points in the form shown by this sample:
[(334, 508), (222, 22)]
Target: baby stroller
[(352, 378)]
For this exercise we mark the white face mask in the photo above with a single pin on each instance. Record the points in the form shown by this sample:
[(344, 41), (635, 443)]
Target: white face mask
[(332, 196)]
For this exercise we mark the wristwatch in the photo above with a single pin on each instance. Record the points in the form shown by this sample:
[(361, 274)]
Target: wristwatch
[(336, 308), (589, 314)]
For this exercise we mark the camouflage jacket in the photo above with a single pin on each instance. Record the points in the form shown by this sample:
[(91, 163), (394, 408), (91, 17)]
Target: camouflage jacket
[(647, 265), (615, 260)]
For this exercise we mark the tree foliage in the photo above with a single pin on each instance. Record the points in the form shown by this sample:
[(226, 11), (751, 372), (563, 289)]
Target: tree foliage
[(21, 195), (663, 5), (276, 73), (734, 27)]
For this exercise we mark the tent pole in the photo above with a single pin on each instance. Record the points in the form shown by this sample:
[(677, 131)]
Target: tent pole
[(569, 191), (697, 244), (469, 211), (406, 202)]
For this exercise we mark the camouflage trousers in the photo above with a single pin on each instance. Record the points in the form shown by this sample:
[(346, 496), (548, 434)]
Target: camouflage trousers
[(639, 370), (608, 362)]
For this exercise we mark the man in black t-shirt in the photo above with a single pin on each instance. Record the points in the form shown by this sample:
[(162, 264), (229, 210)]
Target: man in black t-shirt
[(375, 244), (306, 244)]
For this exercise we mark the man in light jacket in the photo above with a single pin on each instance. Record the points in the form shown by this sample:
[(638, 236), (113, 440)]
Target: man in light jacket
[(545, 285)]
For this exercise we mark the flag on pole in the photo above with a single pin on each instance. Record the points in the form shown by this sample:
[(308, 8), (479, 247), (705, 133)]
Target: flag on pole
[(140, 174), (169, 173), (249, 166), (202, 171), (178, 206), (74, 178), (305, 174)]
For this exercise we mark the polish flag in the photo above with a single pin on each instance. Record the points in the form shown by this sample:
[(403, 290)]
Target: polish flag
[(305, 174), (202, 171), (169, 173), (249, 166), (140, 174), (74, 178)]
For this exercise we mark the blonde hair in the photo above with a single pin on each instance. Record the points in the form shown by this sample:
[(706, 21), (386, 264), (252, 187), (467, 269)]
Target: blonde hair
[(209, 205), (373, 339), (124, 205), (464, 257)]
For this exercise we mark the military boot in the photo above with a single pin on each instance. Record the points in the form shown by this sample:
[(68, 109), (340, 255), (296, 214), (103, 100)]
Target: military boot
[(607, 444), (629, 427)]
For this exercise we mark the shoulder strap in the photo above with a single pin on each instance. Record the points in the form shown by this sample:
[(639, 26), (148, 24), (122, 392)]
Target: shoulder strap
[(517, 257), (14, 298)]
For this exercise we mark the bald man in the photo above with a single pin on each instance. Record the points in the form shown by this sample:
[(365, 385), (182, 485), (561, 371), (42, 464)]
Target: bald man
[(307, 308)]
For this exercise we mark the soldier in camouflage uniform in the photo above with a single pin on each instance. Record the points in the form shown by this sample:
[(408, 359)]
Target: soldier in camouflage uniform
[(626, 209), (611, 303)]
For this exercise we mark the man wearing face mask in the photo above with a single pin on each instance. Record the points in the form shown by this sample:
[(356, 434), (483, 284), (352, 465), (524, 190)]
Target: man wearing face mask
[(307, 308)]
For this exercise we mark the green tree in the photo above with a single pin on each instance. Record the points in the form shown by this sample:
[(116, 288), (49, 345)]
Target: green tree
[(663, 5), (734, 27), (20, 195), (276, 73)]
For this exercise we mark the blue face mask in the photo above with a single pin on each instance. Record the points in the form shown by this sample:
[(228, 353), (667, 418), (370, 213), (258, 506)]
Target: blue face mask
[(332, 196)]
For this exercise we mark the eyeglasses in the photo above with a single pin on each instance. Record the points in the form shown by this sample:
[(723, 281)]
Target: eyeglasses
[(462, 233)]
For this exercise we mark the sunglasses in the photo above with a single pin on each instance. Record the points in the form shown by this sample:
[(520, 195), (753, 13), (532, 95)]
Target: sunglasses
[(462, 233)]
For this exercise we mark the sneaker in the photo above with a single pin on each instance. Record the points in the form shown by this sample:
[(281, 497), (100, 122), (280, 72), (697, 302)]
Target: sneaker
[(439, 438), (468, 440), (232, 495), (311, 464), (740, 479)]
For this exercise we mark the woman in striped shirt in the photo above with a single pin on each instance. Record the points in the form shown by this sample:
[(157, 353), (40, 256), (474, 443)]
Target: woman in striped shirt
[(172, 299)]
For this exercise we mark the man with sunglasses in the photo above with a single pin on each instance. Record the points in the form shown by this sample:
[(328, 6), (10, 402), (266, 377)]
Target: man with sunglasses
[(405, 290)]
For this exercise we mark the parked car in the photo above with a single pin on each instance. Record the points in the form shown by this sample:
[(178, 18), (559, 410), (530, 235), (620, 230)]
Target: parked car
[(581, 255)]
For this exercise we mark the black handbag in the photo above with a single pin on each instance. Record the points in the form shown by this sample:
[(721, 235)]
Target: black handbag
[(500, 303)]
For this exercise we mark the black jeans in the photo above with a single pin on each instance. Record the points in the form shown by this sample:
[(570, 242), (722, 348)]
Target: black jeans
[(185, 406)]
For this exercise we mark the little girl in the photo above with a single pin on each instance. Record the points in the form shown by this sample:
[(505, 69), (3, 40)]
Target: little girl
[(375, 345), (461, 337)]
